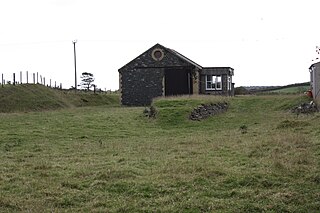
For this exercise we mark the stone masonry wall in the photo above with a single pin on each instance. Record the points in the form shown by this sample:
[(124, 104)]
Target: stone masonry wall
[(206, 110), (140, 86)]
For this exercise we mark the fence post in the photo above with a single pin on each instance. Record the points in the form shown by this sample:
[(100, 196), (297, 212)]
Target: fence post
[(27, 77), (2, 81), (34, 78), (60, 85), (50, 82), (55, 84), (20, 77), (14, 79), (44, 81), (41, 79), (37, 78)]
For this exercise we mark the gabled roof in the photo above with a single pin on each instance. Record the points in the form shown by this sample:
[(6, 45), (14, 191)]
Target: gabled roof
[(177, 54)]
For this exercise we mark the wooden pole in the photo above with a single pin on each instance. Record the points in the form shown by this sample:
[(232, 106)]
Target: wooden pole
[(75, 64), (37, 78), (34, 78), (44, 81), (20, 77), (27, 77), (14, 79), (2, 81)]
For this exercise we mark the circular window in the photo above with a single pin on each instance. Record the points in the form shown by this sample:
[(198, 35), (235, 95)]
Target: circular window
[(157, 54)]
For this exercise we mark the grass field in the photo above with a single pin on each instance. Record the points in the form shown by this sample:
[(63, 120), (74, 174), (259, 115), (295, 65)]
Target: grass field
[(256, 157), (36, 97), (292, 90)]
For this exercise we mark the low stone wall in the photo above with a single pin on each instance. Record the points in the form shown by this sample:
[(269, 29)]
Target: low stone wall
[(305, 108), (206, 110)]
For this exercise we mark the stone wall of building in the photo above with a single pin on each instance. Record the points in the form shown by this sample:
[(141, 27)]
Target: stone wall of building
[(141, 85)]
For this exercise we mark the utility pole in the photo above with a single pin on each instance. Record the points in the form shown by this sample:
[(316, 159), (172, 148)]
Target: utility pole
[(75, 64)]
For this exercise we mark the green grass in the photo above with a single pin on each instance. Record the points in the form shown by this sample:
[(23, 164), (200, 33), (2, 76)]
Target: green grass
[(36, 97), (292, 90), (113, 159)]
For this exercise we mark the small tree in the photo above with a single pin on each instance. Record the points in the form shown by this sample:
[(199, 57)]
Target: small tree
[(87, 80)]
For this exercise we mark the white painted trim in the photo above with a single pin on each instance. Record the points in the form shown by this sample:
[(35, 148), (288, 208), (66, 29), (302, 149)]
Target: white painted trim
[(215, 83)]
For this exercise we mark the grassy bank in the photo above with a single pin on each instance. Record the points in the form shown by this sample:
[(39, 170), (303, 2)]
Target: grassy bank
[(256, 157), (35, 97), (292, 90)]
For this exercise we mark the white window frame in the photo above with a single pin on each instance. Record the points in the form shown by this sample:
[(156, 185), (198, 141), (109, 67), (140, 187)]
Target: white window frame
[(229, 83), (215, 81)]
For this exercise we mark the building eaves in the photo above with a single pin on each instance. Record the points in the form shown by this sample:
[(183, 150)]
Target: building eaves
[(317, 62)]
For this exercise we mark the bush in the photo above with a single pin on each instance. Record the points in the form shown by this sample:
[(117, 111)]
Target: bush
[(241, 91)]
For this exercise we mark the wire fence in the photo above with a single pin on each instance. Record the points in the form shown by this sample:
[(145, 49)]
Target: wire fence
[(29, 78), (36, 78)]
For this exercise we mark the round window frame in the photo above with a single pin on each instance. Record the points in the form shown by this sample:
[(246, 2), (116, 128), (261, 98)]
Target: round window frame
[(154, 56)]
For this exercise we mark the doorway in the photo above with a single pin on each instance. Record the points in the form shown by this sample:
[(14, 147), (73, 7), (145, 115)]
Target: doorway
[(178, 82)]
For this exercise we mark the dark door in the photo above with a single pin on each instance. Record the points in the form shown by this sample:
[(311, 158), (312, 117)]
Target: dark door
[(177, 82)]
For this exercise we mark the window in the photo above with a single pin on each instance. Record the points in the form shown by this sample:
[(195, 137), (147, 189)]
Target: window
[(157, 54), (213, 82)]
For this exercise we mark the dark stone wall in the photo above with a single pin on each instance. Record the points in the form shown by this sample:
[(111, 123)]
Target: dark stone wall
[(206, 110), (141, 85)]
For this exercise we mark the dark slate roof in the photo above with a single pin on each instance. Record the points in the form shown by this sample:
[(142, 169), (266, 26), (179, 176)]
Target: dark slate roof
[(221, 70), (184, 58)]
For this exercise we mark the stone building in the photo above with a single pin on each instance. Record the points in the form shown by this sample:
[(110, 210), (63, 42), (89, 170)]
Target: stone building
[(161, 71), (315, 81)]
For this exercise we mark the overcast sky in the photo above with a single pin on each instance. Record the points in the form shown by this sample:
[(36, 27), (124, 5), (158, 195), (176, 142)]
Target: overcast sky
[(267, 42)]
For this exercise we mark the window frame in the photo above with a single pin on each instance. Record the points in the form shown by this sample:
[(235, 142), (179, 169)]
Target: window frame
[(229, 83), (215, 82)]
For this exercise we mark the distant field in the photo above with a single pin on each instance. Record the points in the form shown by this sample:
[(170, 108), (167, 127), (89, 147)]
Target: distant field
[(256, 157), (293, 90), (297, 88)]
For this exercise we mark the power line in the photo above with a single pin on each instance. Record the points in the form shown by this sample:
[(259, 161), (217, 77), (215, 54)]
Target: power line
[(33, 43)]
